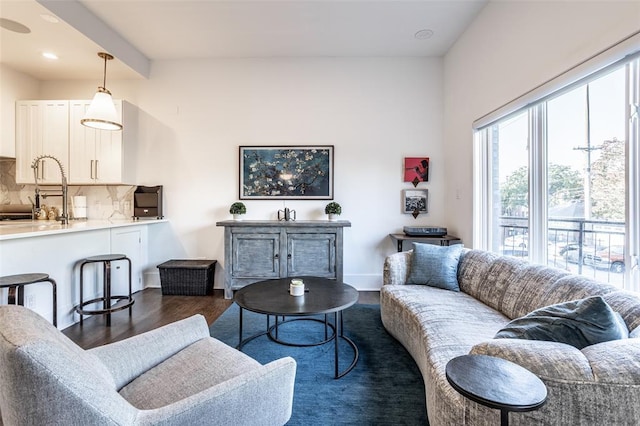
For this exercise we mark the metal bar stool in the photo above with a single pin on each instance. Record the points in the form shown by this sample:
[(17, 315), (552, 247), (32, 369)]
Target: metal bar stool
[(107, 297), (16, 283)]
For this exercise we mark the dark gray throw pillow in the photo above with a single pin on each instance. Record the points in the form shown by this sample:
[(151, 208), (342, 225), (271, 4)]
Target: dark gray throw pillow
[(578, 323), (435, 266)]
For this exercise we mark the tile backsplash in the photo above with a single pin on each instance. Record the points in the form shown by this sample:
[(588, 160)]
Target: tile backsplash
[(103, 201)]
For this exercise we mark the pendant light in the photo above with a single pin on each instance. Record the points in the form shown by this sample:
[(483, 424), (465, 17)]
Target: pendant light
[(102, 111)]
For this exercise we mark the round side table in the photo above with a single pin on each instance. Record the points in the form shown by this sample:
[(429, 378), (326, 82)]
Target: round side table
[(496, 383)]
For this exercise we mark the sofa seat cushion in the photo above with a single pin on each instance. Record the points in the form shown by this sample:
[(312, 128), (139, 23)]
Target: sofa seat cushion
[(579, 323), (200, 366), (451, 321)]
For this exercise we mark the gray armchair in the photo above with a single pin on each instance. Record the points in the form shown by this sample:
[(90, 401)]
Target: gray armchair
[(174, 375)]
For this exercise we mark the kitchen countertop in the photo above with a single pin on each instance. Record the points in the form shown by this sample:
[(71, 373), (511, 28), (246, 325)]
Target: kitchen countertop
[(10, 230)]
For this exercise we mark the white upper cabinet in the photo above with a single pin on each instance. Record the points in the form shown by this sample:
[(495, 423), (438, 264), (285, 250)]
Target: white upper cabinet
[(42, 128), (90, 156)]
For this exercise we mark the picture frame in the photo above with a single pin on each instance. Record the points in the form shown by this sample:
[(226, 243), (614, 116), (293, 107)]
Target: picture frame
[(415, 201), (416, 170), (286, 172)]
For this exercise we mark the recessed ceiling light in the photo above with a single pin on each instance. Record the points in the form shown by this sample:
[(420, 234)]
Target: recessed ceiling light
[(423, 34), (49, 55), (14, 26), (49, 18)]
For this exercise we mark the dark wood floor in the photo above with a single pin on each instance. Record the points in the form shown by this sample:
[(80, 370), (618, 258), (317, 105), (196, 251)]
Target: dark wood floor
[(152, 310)]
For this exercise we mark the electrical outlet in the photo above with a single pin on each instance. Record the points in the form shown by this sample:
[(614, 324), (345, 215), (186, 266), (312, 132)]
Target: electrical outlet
[(127, 205), (31, 301), (116, 205)]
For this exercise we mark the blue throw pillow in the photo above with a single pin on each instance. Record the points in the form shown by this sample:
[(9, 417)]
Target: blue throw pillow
[(435, 266), (578, 323)]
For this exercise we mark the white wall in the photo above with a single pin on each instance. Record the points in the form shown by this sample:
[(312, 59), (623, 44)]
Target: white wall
[(375, 111), (15, 85), (508, 50)]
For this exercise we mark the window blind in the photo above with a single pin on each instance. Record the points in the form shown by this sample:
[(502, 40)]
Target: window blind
[(590, 69)]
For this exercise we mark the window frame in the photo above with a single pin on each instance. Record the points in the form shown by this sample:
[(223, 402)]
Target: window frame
[(485, 221)]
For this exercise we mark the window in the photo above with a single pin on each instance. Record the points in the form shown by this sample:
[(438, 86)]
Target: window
[(557, 178)]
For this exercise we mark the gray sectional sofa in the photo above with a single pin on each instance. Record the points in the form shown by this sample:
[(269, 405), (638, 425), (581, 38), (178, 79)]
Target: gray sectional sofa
[(598, 385)]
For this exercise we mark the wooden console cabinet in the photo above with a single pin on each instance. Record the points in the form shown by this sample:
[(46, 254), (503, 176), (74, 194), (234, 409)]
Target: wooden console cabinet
[(268, 249)]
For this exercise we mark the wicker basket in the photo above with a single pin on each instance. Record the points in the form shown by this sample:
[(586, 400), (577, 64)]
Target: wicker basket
[(187, 277)]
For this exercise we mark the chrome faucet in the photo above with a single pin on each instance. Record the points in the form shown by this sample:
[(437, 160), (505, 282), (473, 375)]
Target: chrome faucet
[(64, 217)]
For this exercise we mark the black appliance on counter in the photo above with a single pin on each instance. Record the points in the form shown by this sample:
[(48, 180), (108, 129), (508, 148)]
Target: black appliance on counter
[(16, 211), (147, 202)]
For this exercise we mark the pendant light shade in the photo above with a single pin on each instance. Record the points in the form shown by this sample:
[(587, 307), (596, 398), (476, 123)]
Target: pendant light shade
[(102, 111)]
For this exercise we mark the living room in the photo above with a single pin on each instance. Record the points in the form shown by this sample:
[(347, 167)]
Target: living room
[(194, 114)]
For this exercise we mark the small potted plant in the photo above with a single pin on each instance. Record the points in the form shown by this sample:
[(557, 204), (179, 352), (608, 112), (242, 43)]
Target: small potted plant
[(237, 209), (333, 209)]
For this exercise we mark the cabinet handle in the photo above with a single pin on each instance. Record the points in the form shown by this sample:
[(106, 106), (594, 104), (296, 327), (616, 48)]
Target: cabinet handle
[(276, 256), (97, 169), (91, 170), (289, 256)]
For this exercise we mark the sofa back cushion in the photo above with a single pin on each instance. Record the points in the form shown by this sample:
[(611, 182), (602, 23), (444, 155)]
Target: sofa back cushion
[(515, 287), (628, 306), (474, 271)]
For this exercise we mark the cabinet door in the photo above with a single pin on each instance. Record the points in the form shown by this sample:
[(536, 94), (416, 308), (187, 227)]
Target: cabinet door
[(82, 144), (130, 242), (42, 128), (108, 166), (55, 141), (28, 138), (255, 255), (311, 254), (95, 155)]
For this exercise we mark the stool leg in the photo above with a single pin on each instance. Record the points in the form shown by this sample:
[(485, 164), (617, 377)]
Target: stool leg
[(107, 290), (54, 289), (81, 292), (130, 287)]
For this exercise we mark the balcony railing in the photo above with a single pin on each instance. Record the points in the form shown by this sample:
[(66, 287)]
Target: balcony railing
[(592, 248)]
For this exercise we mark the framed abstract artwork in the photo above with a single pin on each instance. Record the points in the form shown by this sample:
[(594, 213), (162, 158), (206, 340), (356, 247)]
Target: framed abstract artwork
[(415, 201), (286, 172), (416, 170)]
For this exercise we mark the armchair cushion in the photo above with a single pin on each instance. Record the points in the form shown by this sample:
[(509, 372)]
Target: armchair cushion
[(125, 360), (206, 363)]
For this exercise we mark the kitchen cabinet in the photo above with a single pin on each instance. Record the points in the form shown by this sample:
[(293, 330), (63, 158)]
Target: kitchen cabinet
[(101, 156), (42, 127), (89, 156), (131, 242), (260, 250)]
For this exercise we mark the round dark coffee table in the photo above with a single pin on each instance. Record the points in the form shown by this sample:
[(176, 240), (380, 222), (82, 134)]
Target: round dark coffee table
[(496, 383), (322, 296)]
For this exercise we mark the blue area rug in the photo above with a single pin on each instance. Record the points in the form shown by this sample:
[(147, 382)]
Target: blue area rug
[(384, 388)]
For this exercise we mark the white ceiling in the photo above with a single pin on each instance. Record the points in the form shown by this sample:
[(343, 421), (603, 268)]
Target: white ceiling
[(181, 29)]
